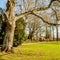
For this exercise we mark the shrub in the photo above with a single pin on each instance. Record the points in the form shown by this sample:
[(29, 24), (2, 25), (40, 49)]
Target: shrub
[(19, 35)]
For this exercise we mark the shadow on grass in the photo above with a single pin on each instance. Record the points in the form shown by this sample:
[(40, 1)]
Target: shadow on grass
[(3, 54), (1, 58)]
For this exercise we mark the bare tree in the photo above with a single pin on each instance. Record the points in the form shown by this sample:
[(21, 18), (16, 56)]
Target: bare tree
[(33, 25)]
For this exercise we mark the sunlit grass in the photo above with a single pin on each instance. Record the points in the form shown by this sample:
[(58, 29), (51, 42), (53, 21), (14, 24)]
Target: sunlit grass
[(34, 51)]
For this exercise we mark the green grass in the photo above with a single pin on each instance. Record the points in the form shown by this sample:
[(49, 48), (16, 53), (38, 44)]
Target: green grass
[(34, 51)]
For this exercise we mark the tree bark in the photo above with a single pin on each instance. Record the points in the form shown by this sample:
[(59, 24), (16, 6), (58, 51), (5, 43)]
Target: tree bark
[(53, 33), (50, 38), (10, 26), (56, 32), (46, 31), (30, 35), (8, 40)]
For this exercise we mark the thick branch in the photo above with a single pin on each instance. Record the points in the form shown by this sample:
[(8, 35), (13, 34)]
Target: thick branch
[(36, 9), (21, 15), (55, 0), (44, 20)]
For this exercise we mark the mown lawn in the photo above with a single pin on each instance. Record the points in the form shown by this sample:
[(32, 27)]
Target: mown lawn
[(34, 51)]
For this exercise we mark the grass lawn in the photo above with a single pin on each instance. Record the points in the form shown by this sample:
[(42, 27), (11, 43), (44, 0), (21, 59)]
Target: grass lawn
[(34, 51)]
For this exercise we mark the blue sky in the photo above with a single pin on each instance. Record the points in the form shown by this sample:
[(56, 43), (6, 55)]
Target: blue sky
[(3, 3)]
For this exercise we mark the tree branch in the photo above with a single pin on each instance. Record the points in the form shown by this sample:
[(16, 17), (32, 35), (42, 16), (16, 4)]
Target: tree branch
[(22, 15), (36, 9), (44, 20)]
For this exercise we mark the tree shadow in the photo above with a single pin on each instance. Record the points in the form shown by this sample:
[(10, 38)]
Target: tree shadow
[(3, 55), (1, 58)]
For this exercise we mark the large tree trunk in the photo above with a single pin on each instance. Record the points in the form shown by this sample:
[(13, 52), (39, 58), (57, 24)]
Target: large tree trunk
[(8, 40), (10, 26)]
